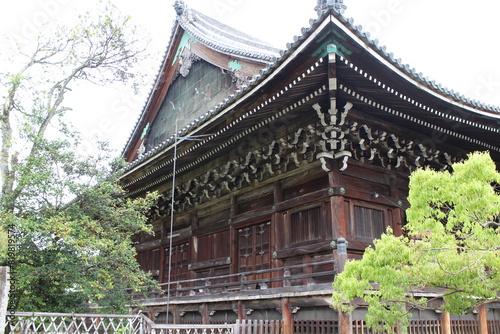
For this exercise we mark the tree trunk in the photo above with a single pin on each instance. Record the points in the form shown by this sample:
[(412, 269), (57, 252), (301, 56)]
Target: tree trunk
[(483, 320), (446, 323), (345, 323)]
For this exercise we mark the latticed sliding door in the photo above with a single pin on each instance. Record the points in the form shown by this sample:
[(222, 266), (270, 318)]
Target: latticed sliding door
[(150, 261), (254, 249), (179, 260), (307, 225), (369, 223)]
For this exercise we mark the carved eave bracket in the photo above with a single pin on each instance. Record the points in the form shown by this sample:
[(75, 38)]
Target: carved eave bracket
[(347, 139), (333, 139), (186, 61)]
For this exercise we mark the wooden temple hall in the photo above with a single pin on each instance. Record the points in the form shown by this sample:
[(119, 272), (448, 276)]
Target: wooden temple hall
[(274, 166)]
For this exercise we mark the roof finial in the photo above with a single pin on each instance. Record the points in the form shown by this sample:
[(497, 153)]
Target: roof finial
[(323, 5), (179, 7)]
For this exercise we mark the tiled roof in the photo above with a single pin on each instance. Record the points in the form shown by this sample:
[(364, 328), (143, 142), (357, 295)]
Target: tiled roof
[(406, 68), (225, 39), (214, 35)]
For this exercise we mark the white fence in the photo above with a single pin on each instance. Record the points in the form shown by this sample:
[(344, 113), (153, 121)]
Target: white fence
[(34, 323), (64, 323)]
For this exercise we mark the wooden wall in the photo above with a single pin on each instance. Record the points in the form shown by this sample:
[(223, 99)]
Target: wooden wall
[(290, 220)]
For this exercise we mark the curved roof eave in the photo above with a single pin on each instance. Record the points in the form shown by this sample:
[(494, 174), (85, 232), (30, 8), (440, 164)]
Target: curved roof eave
[(247, 48), (409, 74), (300, 42), (228, 104), (225, 39), (155, 83)]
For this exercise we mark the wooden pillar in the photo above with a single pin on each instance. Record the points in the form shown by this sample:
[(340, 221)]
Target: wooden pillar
[(176, 317), (445, 323), (397, 213), (483, 319), (276, 237), (205, 318), (339, 223), (287, 317), (162, 267), (241, 311), (193, 253), (233, 237)]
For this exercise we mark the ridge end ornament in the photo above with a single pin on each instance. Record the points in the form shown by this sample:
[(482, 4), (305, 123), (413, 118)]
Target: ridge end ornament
[(322, 6)]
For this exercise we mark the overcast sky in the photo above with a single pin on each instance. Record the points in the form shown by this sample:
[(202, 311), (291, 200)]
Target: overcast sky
[(454, 42)]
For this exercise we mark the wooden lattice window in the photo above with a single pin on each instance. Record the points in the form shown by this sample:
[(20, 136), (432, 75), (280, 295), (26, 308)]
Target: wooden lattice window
[(369, 223), (179, 267), (213, 246), (254, 248), (149, 261), (306, 225)]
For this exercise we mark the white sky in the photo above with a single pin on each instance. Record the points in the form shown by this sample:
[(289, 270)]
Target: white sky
[(454, 42)]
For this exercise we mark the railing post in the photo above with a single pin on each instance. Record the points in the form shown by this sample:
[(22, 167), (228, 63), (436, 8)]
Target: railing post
[(207, 286), (243, 281), (340, 253), (236, 326), (178, 290), (286, 275)]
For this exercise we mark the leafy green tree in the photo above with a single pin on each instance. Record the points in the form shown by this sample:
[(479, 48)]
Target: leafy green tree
[(80, 255), (451, 245), (73, 223)]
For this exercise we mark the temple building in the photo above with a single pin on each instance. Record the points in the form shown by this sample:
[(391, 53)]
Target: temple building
[(275, 165)]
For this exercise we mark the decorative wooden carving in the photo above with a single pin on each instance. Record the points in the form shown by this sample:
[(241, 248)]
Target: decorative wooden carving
[(333, 136), (186, 61), (343, 138)]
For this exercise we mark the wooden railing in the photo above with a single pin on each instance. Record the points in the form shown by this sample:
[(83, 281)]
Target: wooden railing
[(275, 277), (239, 327), (434, 327), (315, 326)]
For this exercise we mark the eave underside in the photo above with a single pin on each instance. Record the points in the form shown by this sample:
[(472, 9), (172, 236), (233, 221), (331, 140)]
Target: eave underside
[(291, 99)]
